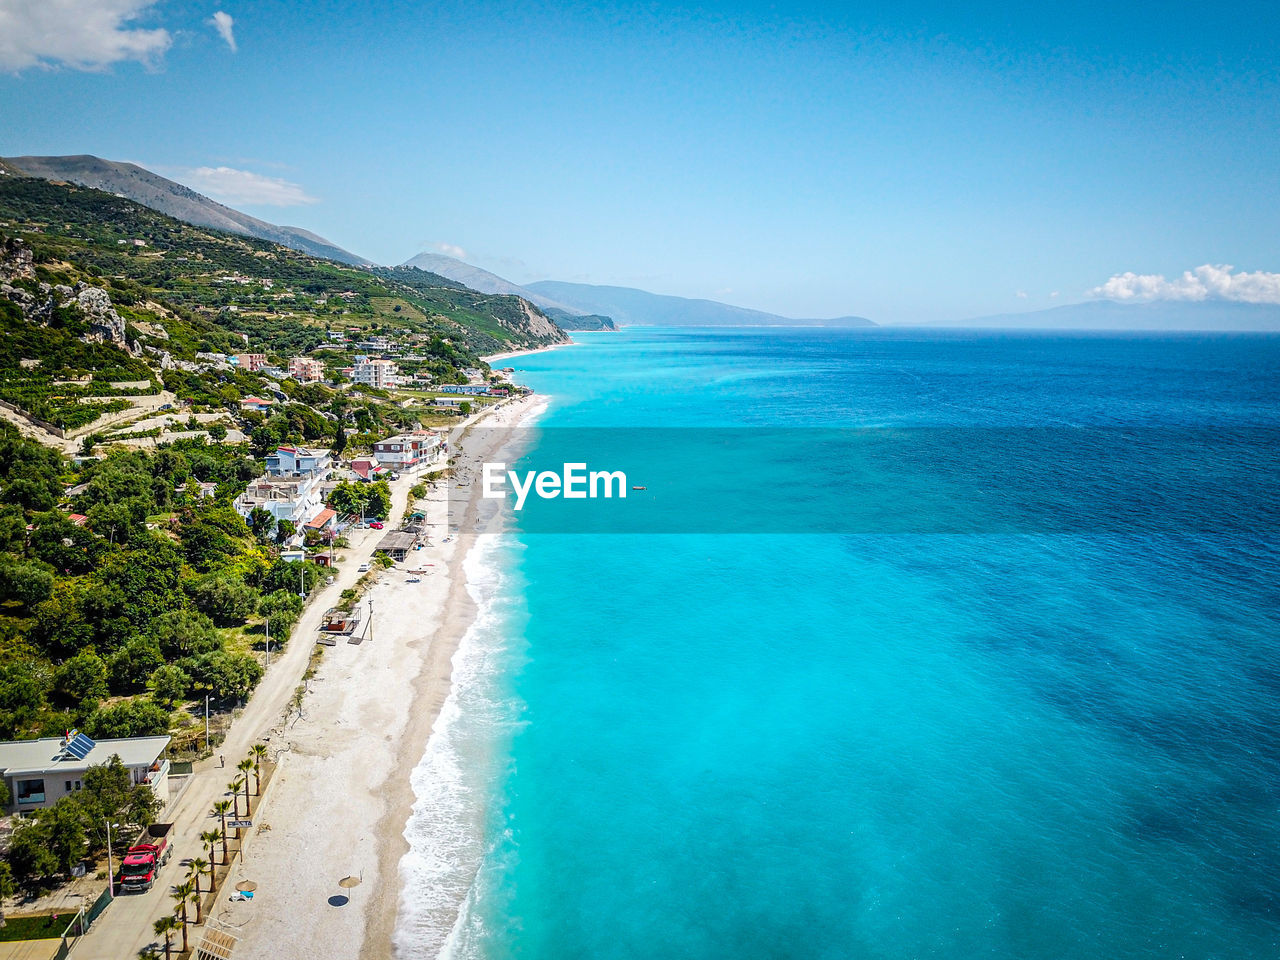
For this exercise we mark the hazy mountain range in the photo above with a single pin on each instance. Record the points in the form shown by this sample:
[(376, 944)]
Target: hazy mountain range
[(174, 200), (580, 306), (630, 306)]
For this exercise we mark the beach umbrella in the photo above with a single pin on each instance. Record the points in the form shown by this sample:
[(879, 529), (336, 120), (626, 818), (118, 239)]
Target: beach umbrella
[(348, 882), (246, 886)]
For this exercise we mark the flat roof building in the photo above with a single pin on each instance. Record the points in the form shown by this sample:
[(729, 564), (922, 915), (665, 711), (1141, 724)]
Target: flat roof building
[(41, 772)]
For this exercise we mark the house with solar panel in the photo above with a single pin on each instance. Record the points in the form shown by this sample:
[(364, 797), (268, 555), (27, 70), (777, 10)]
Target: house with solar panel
[(39, 773)]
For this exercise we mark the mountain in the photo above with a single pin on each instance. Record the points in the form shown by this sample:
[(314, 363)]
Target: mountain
[(1204, 315), (580, 321), (482, 280), (630, 306), (175, 200)]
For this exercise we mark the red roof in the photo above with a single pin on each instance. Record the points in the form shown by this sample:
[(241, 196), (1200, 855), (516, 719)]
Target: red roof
[(79, 519), (321, 519)]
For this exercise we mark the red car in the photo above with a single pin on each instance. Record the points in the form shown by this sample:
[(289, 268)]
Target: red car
[(376, 525)]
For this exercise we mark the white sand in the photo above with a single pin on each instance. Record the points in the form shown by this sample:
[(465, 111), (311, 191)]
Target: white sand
[(341, 796)]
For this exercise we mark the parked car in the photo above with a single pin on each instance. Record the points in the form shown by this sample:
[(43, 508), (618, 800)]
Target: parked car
[(363, 568), (376, 525)]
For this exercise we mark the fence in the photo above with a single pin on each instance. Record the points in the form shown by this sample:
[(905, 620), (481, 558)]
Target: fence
[(81, 923)]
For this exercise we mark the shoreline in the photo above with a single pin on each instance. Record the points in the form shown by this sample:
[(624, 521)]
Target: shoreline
[(343, 793), (507, 355), (432, 689)]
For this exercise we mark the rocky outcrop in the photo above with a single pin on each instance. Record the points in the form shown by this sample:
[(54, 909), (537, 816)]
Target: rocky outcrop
[(538, 325), (38, 300), (17, 262), (104, 323)]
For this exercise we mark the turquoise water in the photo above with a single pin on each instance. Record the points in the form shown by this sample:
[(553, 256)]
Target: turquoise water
[(869, 745)]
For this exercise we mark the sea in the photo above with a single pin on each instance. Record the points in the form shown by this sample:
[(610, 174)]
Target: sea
[(917, 644)]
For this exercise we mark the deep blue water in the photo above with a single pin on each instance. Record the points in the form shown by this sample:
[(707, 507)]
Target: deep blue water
[(1021, 744)]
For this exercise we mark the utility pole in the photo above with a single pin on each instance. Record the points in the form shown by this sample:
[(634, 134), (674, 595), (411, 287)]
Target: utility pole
[(111, 875), (206, 721), (268, 642)]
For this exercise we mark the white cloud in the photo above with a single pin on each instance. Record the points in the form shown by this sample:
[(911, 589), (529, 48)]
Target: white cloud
[(242, 186), (84, 34), (225, 25), (448, 249), (1021, 294), (1206, 282)]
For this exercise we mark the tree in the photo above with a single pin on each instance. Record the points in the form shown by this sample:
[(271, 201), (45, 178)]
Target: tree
[(464, 408), (262, 523), (7, 888), (181, 894), (198, 866), (63, 826), (217, 431), (223, 675), (244, 766), (234, 789), (105, 794), (379, 502), (139, 584), (60, 627), (29, 853), (164, 927), (284, 530), (339, 441), (21, 697), (82, 680), (280, 609), (129, 668), (63, 545), (168, 684), (185, 633), (132, 718), (222, 808), (210, 839), (27, 583), (224, 598), (259, 751)]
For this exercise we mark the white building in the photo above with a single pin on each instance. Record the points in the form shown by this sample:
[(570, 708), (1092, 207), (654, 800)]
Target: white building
[(39, 773), (292, 488), (406, 449), (306, 370), (382, 374)]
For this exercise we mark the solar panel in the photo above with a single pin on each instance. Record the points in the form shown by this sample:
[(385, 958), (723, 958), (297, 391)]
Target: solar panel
[(80, 746)]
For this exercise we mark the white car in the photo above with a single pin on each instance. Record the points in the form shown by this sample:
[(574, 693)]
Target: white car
[(363, 568)]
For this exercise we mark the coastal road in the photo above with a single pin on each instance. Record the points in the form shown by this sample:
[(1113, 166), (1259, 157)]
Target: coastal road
[(126, 927)]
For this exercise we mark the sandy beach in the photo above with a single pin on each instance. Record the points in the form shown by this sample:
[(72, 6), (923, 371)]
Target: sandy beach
[(342, 795), (494, 358)]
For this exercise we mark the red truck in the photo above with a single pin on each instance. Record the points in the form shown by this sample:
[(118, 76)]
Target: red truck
[(143, 860)]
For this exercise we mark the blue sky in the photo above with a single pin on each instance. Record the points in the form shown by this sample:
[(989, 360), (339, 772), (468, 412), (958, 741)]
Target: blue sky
[(902, 161)]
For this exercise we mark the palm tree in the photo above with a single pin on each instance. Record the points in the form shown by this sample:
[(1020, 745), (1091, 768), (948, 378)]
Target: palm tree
[(164, 927), (222, 808), (195, 898), (210, 838), (259, 751), (234, 789), (198, 865), (244, 766), (181, 894)]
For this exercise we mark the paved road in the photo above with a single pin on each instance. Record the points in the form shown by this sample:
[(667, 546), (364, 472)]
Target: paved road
[(126, 926)]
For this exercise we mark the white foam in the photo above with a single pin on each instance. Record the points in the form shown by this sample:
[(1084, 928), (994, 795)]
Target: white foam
[(463, 766)]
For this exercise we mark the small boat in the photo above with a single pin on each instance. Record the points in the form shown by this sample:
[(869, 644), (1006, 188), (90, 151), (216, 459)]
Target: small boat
[(639, 488), (414, 580)]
